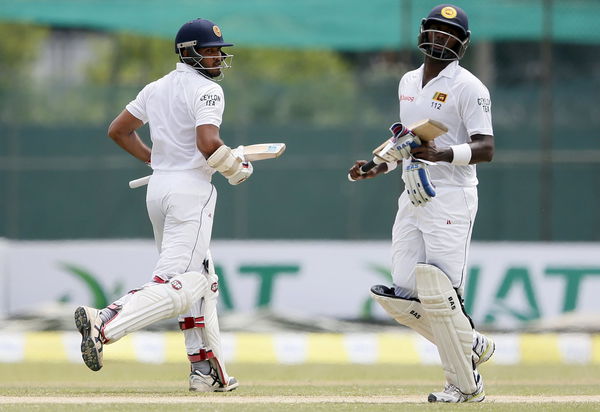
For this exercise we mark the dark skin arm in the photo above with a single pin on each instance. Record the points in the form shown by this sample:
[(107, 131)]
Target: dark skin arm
[(123, 131), (208, 139), (376, 171), (482, 149)]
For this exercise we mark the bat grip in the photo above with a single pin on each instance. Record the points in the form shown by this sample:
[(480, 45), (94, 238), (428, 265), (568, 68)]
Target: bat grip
[(367, 166), (364, 169)]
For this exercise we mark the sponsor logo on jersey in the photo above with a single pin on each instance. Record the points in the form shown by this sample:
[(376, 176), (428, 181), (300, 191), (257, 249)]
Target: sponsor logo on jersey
[(407, 98), (175, 284), (485, 103), (210, 99), (440, 97), (217, 31), (214, 287), (449, 12)]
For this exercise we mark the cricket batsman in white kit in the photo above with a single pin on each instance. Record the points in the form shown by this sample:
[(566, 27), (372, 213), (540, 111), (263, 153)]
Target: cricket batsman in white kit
[(184, 110), (433, 226)]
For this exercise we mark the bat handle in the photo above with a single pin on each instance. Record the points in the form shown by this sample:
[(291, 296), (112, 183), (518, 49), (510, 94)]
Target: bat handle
[(364, 169), (139, 182), (367, 166)]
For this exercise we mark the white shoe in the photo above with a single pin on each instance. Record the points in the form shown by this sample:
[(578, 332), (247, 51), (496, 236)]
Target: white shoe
[(452, 394), (89, 324), (231, 385), (483, 348), (200, 382)]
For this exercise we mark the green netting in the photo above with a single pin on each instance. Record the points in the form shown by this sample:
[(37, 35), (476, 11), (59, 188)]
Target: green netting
[(332, 24), (61, 177)]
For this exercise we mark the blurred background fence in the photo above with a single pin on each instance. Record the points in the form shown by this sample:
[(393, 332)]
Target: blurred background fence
[(320, 76)]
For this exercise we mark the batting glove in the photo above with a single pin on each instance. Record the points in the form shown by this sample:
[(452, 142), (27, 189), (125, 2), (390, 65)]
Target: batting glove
[(418, 184), (245, 170), (404, 140)]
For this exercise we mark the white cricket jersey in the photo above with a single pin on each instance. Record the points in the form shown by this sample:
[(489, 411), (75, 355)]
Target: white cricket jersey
[(457, 99), (174, 105)]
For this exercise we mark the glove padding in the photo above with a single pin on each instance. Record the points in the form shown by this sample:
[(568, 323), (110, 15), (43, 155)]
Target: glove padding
[(231, 164), (404, 140), (418, 184), (245, 170)]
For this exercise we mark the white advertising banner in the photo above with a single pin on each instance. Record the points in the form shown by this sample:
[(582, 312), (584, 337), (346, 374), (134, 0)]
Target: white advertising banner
[(509, 283)]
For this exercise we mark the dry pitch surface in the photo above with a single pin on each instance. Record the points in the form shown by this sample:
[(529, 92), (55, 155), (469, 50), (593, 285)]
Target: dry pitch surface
[(135, 387)]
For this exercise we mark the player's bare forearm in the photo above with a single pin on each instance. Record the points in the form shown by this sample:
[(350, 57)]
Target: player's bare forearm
[(429, 151), (122, 131), (482, 150), (208, 139), (133, 145)]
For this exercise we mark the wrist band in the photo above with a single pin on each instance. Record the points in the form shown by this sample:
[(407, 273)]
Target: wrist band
[(462, 154), (391, 166)]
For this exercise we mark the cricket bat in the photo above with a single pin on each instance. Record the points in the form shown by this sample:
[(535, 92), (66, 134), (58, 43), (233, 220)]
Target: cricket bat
[(425, 129), (252, 153)]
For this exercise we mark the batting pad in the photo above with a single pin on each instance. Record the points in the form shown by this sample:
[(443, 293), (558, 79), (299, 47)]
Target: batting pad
[(157, 302), (192, 336), (450, 327), (404, 311), (211, 334)]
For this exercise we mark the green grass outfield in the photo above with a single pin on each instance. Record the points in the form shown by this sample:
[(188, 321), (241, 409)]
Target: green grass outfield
[(129, 386)]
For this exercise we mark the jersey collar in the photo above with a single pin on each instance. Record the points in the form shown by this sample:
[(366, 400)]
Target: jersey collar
[(182, 67), (449, 71)]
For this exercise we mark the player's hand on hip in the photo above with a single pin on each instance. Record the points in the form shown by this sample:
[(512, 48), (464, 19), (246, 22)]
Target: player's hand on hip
[(418, 183), (404, 140)]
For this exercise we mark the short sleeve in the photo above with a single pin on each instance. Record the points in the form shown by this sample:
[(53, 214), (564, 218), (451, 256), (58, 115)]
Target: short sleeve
[(476, 109), (137, 107), (209, 105)]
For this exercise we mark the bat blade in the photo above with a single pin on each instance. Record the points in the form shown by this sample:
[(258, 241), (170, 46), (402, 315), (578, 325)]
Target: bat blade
[(425, 129), (428, 129), (262, 151), (252, 153)]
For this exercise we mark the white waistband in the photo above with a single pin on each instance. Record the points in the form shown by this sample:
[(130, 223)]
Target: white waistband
[(193, 173)]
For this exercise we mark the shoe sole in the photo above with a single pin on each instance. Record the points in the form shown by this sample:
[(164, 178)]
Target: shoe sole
[(88, 348), (207, 389), (477, 398), (228, 388)]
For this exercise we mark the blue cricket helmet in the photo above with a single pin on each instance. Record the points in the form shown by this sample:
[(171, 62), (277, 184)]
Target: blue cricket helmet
[(437, 44), (449, 14), (199, 33)]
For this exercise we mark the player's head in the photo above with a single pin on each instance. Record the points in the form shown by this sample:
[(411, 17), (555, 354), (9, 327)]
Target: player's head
[(198, 44), (445, 33)]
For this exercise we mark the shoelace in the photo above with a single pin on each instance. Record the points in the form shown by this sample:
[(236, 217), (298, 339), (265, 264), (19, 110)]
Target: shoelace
[(212, 374), (451, 389)]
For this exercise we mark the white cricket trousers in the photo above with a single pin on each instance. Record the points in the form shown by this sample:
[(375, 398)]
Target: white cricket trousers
[(181, 206), (438, 233)]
